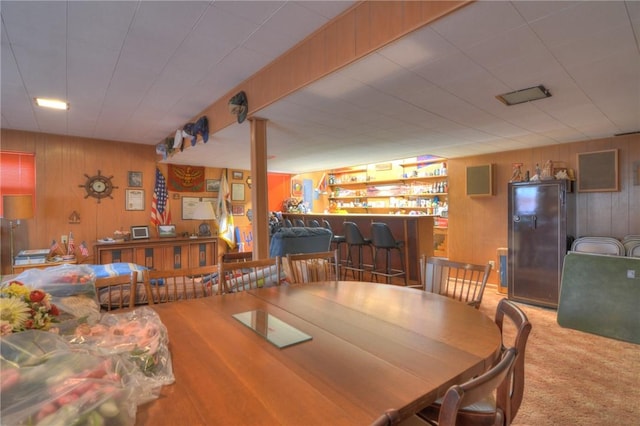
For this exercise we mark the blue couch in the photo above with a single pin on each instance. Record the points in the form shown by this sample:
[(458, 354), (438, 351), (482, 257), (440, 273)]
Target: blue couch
[(299, 240)]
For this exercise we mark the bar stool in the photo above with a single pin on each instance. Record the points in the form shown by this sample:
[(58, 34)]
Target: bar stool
[(354, 238), (299, 222), (382, 239), (313, 223), (336, 240)]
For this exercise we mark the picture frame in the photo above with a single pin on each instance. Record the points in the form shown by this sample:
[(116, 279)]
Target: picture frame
[(237, 175), (237, 209), (480, 180), (189, 205), (212, 185), (139, 232), (598, 171), (135, 180), (134, 199), (237, 192), (166, 231)]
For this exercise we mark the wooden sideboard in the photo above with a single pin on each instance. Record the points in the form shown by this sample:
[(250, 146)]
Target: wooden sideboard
[(160, 253)]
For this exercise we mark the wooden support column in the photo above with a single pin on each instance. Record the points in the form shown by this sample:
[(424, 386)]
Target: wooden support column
[(260, 221)]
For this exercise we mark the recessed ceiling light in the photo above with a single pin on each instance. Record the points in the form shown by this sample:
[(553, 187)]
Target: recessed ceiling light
[(52, 103), (524, 95)]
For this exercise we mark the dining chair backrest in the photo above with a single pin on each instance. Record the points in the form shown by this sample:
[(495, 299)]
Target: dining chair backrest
[(251, 274), (313, 223), (299, 223), (179, 284), (117, 292), (464, 282), (509, 315), (242, 256), (515, 328), (458, 396), (311, 267)]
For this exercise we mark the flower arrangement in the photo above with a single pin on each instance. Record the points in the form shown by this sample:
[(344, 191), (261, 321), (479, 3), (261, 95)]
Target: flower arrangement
[(24, 309)]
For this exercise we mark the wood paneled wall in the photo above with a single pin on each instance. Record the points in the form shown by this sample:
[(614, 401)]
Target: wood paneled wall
[(61, 163), (478, 225)]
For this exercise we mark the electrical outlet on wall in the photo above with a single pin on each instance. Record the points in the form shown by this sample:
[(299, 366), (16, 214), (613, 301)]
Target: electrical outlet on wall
[(64, 239), (493, 264)]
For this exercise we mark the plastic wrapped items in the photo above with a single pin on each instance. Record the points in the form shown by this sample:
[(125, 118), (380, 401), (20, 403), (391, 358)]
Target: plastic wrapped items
[(140, 338), (97, 375), (72, 290), (45, 382)]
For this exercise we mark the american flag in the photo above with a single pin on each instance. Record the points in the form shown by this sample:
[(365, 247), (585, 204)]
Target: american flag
[(160, 214), (71, 245), (55, 248), (84, 251)]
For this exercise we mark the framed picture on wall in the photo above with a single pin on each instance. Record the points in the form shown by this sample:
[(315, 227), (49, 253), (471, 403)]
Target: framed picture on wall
[(237, 209), (134, 199), (213, 185), (237, 192), (237, 175), (135, 179)]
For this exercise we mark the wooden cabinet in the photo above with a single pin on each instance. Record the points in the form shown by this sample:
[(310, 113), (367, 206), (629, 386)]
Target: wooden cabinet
[(160, 253)]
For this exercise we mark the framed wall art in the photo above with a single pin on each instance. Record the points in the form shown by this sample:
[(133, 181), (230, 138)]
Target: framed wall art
[(212, 185), (598, 171), (237, 175), (189, 205), (237, 192), (134, 199), (237, 209), (135, 179)]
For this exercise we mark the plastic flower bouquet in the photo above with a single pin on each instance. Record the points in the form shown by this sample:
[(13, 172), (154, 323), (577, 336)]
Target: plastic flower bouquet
[(22, 308)]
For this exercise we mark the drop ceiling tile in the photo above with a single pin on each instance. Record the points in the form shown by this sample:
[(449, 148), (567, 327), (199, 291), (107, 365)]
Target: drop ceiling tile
[(479, 21), (421, 46), (256, 12), (107, 32), (580, 21)]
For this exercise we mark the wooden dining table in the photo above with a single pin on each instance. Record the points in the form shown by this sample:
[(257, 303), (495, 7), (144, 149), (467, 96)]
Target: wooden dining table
[(372, 347)]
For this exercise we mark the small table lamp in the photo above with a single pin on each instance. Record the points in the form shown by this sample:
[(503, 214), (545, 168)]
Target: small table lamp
[(16, 207), (204, 211)]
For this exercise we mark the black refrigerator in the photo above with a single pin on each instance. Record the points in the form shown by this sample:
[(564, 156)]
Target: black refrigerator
[(541, 230)]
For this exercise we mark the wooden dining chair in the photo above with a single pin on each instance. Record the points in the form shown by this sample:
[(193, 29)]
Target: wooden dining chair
[(179, 284), (464, 282), (515, 327), (311, 267), (239, 276), (496, 379), (117, 292), (241, 256)]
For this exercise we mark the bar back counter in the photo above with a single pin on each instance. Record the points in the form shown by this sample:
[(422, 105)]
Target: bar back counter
[(416, 232)]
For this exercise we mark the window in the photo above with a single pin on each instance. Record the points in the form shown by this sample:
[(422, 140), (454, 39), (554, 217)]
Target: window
[(17, 174)]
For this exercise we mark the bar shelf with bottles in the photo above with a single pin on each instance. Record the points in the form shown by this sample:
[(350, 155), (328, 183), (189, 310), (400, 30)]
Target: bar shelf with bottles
[(423, 189)]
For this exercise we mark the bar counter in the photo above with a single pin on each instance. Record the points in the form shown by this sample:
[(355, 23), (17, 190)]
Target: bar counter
[(415, 230)]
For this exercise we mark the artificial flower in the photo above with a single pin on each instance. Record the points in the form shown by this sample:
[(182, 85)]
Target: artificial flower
[(24, 309)]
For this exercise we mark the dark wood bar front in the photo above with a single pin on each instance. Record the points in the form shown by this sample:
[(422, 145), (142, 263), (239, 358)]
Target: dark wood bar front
[(416, 232)]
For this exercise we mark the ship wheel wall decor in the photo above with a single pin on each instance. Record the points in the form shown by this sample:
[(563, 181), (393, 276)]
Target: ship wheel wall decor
[(98, 186)]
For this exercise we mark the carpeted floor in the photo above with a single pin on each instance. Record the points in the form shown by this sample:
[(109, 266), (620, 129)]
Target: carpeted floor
[(572, 377)]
